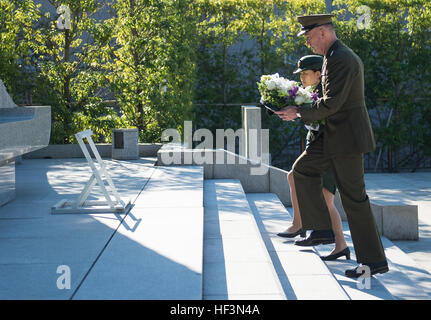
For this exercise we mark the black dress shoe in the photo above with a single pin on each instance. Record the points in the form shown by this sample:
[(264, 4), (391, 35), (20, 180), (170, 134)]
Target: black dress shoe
[(316, 238), (380, 267), (292, 234), (335, 256)]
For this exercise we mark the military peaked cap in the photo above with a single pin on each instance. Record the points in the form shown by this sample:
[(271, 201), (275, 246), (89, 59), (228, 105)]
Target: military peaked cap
[(312, 21), (311, 62)]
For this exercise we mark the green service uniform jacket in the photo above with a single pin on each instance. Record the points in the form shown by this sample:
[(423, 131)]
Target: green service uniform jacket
[(348, 129)]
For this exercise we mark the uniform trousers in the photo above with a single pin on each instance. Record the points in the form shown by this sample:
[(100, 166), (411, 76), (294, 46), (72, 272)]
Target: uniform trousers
[(349, 175)]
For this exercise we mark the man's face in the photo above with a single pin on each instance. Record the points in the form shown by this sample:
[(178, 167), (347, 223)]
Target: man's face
[(309, 78), (315, 39)]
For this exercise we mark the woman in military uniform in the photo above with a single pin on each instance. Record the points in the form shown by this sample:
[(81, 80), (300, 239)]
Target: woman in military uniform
[(309, 68)]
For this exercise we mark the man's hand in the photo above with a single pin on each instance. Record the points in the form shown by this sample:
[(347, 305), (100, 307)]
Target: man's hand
[(288, 113)]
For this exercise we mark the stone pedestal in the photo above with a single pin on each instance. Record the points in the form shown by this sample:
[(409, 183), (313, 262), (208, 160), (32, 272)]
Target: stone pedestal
[(125, 144), (22, 130), (251, 123)]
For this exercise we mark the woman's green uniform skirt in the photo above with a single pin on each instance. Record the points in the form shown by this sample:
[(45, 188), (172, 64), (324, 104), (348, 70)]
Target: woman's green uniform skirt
[(328, 178)]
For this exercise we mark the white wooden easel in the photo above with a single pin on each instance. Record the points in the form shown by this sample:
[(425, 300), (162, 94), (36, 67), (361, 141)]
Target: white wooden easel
[(81, 205)]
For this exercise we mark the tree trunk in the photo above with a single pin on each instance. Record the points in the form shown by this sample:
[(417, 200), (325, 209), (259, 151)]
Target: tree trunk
[(66, 84), (140, 119), (224, 54), (262, 53)]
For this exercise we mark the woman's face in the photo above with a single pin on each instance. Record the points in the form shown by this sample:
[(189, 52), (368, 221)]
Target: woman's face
[(310, 78)]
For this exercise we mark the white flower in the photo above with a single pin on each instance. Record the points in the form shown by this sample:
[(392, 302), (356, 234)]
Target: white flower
[(302, 92), (275, 86), (271, 84), (303, 96), (271, 81), (299, 99), (286, 85), (292, 84), (267, 77)]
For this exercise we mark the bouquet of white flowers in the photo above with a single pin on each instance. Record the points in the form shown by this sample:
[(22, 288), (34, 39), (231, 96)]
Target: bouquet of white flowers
[(278, 92)]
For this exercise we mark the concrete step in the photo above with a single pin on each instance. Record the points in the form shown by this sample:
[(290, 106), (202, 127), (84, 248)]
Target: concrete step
[(236, 262), (303, 275), (416, 281), (404, 281), (156, 252), (420, 251), (357, 289)]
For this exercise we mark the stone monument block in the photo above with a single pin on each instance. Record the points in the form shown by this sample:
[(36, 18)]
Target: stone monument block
[(125, 144), (22, 130)]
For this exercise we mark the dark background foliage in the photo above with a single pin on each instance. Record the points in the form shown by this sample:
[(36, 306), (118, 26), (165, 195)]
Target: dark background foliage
[(153, 64)]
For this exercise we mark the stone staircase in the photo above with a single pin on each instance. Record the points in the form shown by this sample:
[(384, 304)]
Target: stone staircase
[(208, 239), (236, 262), (243, 258), (304, 276)]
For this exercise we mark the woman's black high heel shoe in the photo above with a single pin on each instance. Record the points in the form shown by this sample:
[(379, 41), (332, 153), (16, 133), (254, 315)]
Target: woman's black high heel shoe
[(293, 234), (345, 252)]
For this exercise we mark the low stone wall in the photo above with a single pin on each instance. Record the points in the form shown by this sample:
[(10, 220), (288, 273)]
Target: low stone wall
[(74, 151), (222, 164), (396, 221)]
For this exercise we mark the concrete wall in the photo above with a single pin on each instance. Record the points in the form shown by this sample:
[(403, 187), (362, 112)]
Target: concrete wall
[(222, 164), (74, 151)]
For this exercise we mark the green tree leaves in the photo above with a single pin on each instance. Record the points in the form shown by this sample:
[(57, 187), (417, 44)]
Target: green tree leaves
[(152, 64), (395, 51)]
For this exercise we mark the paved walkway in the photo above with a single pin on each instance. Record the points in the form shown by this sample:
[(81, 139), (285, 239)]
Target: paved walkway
[(411, 188), (38, 248)]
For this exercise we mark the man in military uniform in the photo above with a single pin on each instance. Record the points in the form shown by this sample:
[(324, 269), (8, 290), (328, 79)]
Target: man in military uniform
[(346, 137), (309, 69)]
